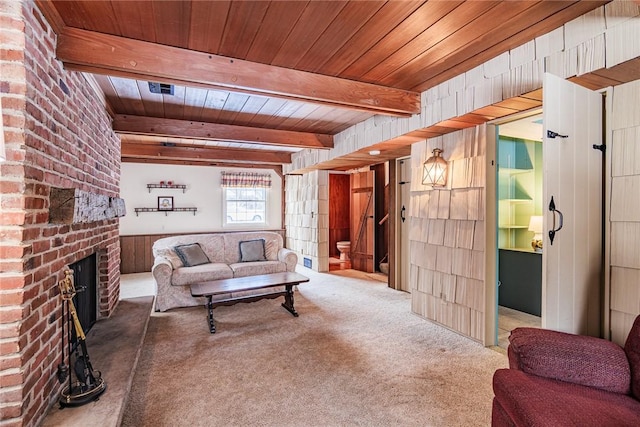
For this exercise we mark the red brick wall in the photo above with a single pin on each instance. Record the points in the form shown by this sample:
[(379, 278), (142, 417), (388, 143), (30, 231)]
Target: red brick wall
[(57, 134)]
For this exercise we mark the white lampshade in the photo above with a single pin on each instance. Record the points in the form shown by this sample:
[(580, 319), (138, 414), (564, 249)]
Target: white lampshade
[(535, 224)]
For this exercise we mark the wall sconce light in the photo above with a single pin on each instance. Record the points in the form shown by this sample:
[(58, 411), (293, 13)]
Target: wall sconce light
[(435, 170), (535, 225)]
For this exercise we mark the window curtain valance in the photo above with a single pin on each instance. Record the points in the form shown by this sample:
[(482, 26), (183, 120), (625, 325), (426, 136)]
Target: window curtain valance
[(246, 180)]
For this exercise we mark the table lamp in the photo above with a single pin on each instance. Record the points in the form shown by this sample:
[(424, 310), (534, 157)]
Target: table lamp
[(535, 225)]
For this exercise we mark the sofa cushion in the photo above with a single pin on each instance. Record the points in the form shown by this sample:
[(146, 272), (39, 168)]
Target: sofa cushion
[(191, 255), (538, 401), (243, 269), (171, 256), (272, 244), (252, 250), (201, 273), (632, 349), (212, 244), (578, 359)]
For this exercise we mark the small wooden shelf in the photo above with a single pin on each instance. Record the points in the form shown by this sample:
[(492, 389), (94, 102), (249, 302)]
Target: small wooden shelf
[(517, 200), (167, 186), (138, 210), (513, 171)]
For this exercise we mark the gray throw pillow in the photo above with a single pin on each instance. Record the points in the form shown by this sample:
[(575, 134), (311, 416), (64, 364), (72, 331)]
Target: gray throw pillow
[(191, 255), (252, 250)]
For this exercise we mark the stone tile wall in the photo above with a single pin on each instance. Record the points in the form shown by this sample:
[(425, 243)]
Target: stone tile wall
[(307, 217)]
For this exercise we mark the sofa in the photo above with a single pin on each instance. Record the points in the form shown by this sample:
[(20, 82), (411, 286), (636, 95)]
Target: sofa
[(560, 379), (214, 256)]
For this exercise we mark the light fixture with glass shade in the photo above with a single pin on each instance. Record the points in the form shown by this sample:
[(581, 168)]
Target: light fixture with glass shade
[(435, 170), (535, 225)]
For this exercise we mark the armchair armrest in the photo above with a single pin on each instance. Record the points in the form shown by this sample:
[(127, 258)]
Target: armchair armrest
[(289, 257), (162, 270), (577, 359)]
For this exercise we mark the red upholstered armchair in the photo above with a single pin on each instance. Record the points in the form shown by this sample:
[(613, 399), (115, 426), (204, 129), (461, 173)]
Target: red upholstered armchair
[(559, 379)]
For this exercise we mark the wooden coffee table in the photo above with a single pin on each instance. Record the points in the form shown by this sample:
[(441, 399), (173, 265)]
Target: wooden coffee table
[(239, 284)]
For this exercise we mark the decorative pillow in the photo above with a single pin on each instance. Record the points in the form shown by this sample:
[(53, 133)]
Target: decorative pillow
[(171, 256), (252, 250), (191, 255)]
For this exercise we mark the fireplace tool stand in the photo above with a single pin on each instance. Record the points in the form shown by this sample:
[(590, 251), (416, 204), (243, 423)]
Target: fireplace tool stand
[(89, 384)]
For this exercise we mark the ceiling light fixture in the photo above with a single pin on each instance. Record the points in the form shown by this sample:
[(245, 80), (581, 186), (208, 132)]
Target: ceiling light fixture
[(374, 152)]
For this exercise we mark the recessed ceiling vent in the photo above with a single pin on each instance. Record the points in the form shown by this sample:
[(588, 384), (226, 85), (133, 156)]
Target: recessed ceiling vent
[(161, 88)]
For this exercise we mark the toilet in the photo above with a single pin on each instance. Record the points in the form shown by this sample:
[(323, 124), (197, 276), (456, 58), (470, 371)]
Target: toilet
[(345, 248)]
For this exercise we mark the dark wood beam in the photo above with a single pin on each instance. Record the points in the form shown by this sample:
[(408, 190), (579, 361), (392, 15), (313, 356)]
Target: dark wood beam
[(276, 168), (142, 125), (84, 50), (200, 154)]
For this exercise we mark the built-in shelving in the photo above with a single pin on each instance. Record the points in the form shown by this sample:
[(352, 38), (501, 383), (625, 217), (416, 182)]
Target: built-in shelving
[(167, 186), (518, 190), (139, 210)]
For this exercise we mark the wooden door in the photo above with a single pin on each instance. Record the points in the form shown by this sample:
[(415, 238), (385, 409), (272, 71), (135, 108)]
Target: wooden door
[(362, 221), (572, 255), (404, 185)]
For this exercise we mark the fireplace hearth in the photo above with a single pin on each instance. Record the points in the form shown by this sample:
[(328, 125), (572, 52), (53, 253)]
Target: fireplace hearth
[(85, 273)]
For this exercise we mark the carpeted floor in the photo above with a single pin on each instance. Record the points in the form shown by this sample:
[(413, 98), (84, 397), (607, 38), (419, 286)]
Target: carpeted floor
[(356, 356)]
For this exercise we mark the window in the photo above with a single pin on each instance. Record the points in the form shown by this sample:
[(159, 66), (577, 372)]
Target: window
[(245, 197), (245, 205)]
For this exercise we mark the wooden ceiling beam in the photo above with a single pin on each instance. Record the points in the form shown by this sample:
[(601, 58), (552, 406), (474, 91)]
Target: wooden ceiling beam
[(142, 125), (276, 168), (107, 54), (199, 154)]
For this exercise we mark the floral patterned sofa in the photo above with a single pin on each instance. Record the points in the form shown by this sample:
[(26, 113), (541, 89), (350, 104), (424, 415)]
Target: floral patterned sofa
[(222, 256)]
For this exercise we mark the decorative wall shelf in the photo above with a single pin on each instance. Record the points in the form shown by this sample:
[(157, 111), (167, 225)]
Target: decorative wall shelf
[(167, 186), (138, 210)]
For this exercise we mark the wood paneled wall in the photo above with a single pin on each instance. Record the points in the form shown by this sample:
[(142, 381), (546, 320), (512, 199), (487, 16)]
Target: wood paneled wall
[(339, 211), (625, 211), (136, 255)]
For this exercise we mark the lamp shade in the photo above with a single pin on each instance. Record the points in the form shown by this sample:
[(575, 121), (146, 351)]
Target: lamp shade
[(435, 170), (535, 224)]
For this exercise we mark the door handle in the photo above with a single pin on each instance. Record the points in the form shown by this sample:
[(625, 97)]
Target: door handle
[(402, 217), (552, 232)]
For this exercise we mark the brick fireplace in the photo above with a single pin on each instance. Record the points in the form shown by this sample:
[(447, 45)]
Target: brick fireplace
[(58, 136)]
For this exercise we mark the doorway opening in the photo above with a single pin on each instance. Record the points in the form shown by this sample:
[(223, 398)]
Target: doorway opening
[(519, 219), (339, 221), (358, 221)]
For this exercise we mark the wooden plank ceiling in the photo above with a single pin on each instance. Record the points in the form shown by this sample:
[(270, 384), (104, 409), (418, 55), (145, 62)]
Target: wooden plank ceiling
[(254, 81)]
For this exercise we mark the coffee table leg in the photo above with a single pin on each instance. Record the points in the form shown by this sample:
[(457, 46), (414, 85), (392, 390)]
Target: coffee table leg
[(288, 301), (212, 326)]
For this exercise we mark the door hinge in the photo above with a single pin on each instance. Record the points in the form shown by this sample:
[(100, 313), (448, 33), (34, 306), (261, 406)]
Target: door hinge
[(600, 147)]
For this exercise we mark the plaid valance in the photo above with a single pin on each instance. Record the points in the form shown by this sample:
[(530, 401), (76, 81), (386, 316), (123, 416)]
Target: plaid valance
[(246, 180)]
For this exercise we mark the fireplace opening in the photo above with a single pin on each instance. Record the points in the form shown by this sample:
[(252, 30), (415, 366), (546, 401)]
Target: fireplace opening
[(85, 278)]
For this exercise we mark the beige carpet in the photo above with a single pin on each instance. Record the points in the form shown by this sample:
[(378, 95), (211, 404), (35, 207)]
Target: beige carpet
[(356, 356)]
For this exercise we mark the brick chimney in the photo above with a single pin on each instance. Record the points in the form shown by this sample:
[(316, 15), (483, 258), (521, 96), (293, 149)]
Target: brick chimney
[(57, 136)]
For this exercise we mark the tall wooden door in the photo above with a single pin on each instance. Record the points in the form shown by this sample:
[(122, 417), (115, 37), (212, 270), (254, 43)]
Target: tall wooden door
[(362, 221), (573, 200), (404, 185)]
